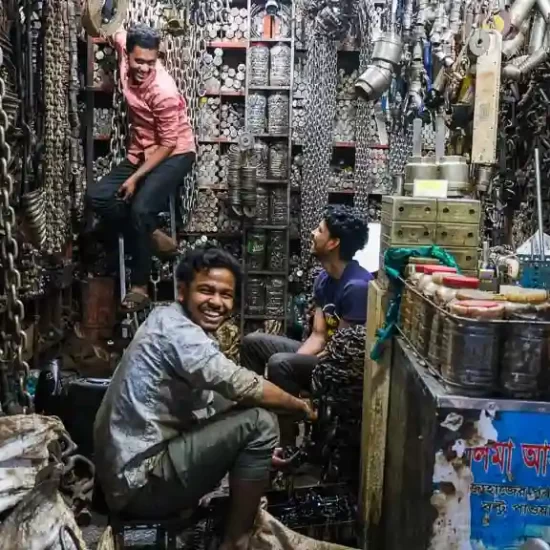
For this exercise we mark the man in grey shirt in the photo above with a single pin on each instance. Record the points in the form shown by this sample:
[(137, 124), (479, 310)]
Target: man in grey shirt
[(178, 415)]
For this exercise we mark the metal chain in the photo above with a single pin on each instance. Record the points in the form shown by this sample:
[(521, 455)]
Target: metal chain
[(56, 126), (370, 25), (321, 78), (13, 337)]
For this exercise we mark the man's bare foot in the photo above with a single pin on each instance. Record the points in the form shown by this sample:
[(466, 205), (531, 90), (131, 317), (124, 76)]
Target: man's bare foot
[(163, 244)]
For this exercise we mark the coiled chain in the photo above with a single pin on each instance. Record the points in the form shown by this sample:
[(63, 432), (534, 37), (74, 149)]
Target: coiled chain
[(321, 71)]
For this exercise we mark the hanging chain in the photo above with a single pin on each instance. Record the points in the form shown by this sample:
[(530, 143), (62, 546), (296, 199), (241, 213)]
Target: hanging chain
[(321, 78), (57, 192), (13, 367)]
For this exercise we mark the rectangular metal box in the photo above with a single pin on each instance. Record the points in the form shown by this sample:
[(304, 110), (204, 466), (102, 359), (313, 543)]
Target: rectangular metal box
[(461, 472), (458, 211), (457, 234), (409, 209), (408, 233)]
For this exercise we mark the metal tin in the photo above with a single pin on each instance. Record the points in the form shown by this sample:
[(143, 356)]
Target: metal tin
[(457, 235), (424, 168), (458, 210), (456, 171), (255, 296), (409, 208), (408, 233), (466, 258), (469, 355), (275, 297), (525, 352)]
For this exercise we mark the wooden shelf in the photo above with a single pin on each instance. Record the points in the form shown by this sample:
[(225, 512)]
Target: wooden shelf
[(102, 138), (249, 317), (273, 181), (103, 88)]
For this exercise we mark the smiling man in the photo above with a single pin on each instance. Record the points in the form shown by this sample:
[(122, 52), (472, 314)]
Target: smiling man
[(340, 298), (178, 415), (161, 150)]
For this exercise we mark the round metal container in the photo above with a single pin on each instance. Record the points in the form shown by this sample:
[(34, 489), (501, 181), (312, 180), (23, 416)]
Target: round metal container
[(470, 354), (275, 297), (255, 296), (456, 171), (259, 65), (524, 355), (419, 168)]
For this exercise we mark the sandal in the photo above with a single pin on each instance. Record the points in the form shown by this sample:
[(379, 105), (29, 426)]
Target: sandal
[(135, 301)]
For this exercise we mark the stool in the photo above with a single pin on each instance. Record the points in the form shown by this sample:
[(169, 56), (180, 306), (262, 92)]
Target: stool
[(166, 530), (122, 265)]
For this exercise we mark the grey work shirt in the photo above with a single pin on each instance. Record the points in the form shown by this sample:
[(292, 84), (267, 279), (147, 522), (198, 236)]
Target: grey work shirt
[(163, 384)]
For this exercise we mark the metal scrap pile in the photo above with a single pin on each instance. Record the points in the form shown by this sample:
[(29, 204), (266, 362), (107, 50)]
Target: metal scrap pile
[(42, 485)]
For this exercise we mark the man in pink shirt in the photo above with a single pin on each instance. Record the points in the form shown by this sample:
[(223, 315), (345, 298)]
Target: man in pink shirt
[(161, 150)]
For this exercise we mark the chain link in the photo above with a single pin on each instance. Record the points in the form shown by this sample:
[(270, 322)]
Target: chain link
[(13, 337), (321, 78)]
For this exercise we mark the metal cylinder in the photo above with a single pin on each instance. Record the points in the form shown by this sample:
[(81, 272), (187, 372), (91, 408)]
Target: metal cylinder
[(456, 171), (279, 70), (419, 168), (259, 65)]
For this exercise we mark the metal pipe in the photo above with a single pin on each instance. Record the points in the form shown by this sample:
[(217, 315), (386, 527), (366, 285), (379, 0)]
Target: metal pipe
[(538, 28), (544, 7), (539, 203), (512, 46), (519, 11)]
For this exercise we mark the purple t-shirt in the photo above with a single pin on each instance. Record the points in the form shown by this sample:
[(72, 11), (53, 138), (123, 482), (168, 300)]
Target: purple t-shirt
[(344, 298)]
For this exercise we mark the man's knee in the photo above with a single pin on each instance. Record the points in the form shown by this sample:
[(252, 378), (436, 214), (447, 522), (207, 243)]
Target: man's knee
[(252, 339), (278, 365), (268, 427)]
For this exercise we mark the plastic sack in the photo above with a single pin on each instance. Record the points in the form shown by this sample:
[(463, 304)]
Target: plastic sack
[(24, 442)]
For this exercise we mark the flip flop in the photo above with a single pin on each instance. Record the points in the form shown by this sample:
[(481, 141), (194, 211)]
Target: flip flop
[(135, 301)]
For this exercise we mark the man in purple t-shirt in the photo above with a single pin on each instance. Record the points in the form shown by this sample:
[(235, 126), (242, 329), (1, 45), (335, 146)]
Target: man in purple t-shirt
[(340, 296)]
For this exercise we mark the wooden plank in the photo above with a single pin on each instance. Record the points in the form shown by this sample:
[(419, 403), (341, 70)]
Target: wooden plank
[(376, 391)]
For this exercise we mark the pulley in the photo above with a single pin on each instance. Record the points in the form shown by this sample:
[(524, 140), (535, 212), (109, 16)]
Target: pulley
[(103, 17)]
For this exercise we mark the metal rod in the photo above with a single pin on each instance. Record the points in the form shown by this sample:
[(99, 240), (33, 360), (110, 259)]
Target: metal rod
[(539, 203)]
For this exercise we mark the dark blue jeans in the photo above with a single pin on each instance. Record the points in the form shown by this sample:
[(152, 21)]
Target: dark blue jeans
[(137, 219)]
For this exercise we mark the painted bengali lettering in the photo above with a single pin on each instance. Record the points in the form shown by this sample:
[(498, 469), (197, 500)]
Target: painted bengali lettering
[(535, 456)]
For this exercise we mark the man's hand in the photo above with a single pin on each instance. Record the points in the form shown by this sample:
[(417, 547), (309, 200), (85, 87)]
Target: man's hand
[(127, 189), (309, 414)]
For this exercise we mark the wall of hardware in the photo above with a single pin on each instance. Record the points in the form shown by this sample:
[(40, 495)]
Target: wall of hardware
[(431, 118)]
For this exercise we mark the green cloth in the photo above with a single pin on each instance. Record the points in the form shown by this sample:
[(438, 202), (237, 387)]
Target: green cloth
[(395, 261)]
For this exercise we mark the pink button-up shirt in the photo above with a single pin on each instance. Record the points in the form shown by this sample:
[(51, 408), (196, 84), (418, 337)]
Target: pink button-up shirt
[(158, 115)]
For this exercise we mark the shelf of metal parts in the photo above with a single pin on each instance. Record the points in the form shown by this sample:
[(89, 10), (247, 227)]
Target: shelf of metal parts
[(216, 140), (264, 317), (229, 44), (222, 94), (272, 181)]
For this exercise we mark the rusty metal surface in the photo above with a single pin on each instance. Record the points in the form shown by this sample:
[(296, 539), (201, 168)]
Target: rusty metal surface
[(98, 311)]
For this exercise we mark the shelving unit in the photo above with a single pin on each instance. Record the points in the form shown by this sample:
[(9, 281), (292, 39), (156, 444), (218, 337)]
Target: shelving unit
[(273, 26)]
